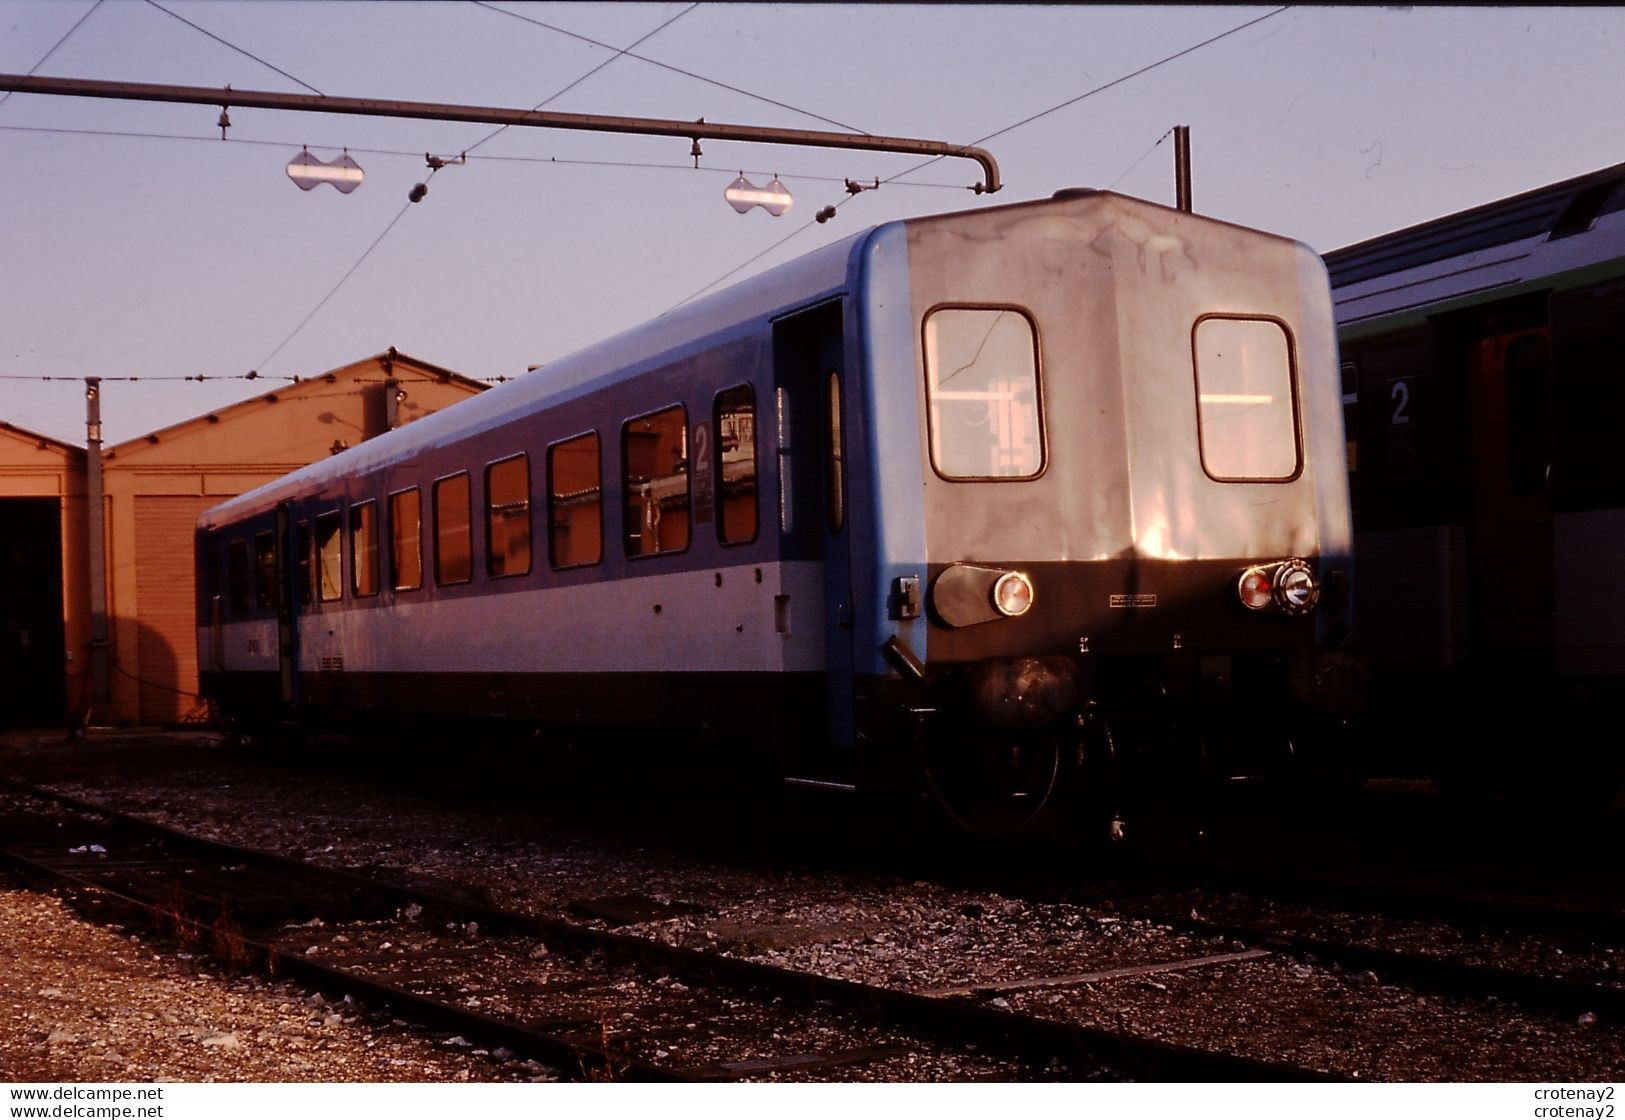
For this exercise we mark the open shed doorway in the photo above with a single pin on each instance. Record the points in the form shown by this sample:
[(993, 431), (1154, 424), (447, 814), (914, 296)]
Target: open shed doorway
[(33, 692)]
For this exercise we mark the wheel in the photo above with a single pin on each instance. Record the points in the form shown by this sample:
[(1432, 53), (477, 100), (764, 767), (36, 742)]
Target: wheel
[(990, 782)]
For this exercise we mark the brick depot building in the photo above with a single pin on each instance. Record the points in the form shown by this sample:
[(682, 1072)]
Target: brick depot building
[(154, 488)]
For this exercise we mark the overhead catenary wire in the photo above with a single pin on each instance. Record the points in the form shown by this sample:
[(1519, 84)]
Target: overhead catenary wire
[(1069, 102), (351, 271), (1143, 157), (629, 53), (608, 61), (235, 47), (416, 155), (46, 57)]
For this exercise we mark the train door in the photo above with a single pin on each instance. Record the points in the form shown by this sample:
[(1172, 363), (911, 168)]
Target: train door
[(811, 397), (287, 606), (1509, 543)]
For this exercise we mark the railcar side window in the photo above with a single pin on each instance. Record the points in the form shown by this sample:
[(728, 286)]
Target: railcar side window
[(265, 588), (575, 503), (237, 591), (781, 410), (654, 465), (406, 540), (329, 557), (834, 454), (453, 533), (1247, 410), (303, 541), (735, 428), (981, 379), (507, 517), (364, 549)]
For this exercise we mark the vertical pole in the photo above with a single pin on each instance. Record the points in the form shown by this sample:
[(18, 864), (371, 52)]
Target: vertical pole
[(392, 393), (1182, 166), (96, 541)]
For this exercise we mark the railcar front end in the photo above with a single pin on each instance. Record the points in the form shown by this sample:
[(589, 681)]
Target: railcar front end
[(1119, 536)]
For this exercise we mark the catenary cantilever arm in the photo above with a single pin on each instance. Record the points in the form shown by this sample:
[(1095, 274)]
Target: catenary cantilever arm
[(518, 118)]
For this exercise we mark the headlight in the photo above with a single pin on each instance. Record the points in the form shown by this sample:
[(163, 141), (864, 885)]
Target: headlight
[(1288, 586), (1256, 589), (1296, 588), (1013, 594)]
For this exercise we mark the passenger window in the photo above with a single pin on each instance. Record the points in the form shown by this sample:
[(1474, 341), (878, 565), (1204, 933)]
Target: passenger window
[(364, 549), (654, 464), (265, 589), (735, 427), (575, 502), (981, 380), (303, 539), (406, 540), (1247, 422), (237, 589), (781, 409), (211, 571), (329, 557), (453, 534), (507, 517), (834, 454)]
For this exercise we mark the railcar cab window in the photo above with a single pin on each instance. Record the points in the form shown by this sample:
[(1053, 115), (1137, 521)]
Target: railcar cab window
[(1247, 409), (575, 502), (329, 557), (453, 533), (406, 540), (654, 465), (735, 428), (364, 549), (265, 588), (981, 380), (507, 517)]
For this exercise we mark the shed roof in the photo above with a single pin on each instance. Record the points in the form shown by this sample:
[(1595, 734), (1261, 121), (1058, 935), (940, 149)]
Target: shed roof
[(40, 442), (398, 364)]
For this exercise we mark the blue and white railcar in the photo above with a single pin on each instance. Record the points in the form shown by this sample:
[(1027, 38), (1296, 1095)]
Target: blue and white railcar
[(932, 504)]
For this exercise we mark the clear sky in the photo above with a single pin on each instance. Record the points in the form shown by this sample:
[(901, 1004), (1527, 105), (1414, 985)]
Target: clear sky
[(138, 255)]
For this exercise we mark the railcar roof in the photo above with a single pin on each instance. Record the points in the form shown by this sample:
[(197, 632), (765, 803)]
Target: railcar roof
[(1549, 211), (806, 279), (822, 270), (1553, 229)]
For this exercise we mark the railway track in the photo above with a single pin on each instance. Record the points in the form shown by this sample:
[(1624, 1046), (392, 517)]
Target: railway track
[(1426, 971), (1043, 944), (588, 1001)]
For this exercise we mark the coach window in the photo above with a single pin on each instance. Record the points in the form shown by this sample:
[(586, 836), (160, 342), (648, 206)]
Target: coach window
[(364, 549), (575, 503), (834, 453), (507, 517), (265, 589), (735, 427), (329, 557), (406, 540), (302, 541), (981, 381), (1247, 423), (211, 571), (453, 535), (654, 465), (237, 589)]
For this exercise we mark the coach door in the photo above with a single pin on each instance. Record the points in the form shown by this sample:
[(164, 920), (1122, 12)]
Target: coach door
[(811, 405), (1509, 540), (287, 606)]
